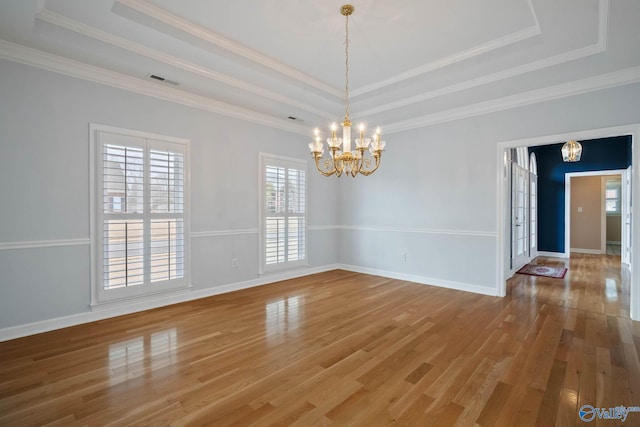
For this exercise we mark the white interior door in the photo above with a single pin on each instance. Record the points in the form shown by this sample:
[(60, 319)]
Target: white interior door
[(519, 216), (626, 217)]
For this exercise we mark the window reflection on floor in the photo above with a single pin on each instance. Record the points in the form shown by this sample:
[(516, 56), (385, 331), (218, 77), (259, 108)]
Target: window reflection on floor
[(163, 348), (129, 359), (125, 359), (611, 290), (283, 316)]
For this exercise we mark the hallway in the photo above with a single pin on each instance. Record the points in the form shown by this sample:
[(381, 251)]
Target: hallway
[(594, 283)]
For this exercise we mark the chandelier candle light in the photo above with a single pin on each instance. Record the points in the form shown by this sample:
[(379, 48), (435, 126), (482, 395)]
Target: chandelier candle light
[(342, 159)]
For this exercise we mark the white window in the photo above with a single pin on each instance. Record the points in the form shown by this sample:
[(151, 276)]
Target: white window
[(283, 213), (139, 219), (613, 194)]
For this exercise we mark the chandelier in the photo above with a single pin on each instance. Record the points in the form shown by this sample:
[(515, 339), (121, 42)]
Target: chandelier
[(571, 151), (342, 159)]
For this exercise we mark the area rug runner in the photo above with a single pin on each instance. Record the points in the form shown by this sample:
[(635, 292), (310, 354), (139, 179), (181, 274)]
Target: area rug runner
[(543, 270)]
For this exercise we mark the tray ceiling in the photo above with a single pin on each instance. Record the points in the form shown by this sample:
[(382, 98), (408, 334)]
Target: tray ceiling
[(412, 63)]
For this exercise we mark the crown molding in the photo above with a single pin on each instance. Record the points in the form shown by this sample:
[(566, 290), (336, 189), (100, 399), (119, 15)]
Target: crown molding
[(487, 79), (599, 47), (144, 6), (590, 84), (534, 14), (43, 60), (498, 43), (212, 38), (61, 21), (451, 59), (58, 64)]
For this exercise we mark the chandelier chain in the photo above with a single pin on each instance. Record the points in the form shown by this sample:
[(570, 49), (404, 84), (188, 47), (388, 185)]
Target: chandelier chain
[(346, 61)]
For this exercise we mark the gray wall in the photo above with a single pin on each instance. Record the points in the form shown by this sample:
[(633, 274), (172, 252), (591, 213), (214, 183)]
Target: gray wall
[(44, 187), (434, 196), (438, 185)]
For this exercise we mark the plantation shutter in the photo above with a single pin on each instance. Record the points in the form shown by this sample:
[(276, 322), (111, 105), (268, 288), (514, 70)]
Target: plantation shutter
[(141, 215), (284, 207), (166, 174), (275, 214), (296, 215), (123, 201)]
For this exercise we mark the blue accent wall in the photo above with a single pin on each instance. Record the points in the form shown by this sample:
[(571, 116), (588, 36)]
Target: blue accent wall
[(597, 154)]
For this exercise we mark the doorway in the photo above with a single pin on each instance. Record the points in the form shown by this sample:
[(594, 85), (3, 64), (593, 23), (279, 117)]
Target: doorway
[(613, 211), (504, 211), (595, 207)]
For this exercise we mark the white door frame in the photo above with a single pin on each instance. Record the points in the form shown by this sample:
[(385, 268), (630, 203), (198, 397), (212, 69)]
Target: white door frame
[(626, 241), (567, 207), (503, 222)]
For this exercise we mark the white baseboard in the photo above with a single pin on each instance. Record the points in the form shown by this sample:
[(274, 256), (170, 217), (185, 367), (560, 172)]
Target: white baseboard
[(587, 251), (552, 254), (449, 284), (109, 311), (24, 330)]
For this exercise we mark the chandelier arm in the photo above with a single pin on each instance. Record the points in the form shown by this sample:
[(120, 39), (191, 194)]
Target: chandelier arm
[(318, 158), (368, 172)]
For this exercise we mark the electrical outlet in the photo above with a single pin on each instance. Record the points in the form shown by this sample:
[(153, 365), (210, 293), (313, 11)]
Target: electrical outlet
[(403, 255), (234, 262)]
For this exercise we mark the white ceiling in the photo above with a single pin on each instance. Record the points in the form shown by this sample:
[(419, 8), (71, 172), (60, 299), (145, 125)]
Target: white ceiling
[(412, 62)]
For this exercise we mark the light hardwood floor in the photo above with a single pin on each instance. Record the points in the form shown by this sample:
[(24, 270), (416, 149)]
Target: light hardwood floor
[(342, 348)]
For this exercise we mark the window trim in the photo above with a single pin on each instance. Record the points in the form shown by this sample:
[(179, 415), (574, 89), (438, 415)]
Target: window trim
[(95, 130), (263, 160)]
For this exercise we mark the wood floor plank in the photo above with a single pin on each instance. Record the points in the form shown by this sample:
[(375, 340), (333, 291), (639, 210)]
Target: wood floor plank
[(551, 399), (415, 412), (342, 348), (492, 408)]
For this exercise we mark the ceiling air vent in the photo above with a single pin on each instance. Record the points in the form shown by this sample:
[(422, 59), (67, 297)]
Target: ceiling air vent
[(163, 80)]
